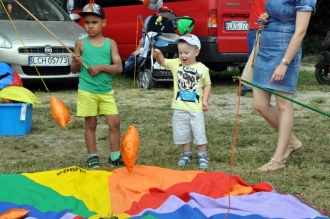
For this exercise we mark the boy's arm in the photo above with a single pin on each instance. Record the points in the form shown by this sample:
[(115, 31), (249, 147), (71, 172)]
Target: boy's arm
[(76, 59), (159, 57), (206, 96), (115, 68)]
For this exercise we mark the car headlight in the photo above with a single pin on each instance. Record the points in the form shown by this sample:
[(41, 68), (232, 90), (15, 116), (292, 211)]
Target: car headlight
[(4, 43), (83, 35)]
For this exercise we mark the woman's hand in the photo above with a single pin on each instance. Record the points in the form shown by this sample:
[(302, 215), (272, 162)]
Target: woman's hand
[(279, 73)]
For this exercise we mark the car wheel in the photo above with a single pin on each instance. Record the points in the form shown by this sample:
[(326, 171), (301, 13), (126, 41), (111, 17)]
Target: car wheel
[(322, 75), (147, 79)]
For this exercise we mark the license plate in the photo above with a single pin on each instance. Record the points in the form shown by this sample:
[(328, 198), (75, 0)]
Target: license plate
[(48, 60), (237, 25)]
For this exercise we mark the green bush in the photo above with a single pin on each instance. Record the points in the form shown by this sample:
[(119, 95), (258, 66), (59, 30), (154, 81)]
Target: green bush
[(318, 27)]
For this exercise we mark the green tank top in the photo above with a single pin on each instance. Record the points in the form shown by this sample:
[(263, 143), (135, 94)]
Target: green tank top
[(91, 55)]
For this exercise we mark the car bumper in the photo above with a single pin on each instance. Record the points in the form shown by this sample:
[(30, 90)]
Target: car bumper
[(61, 74), (18, 60), (210, 53)]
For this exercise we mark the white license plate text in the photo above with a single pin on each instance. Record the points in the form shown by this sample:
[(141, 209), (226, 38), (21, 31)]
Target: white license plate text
[(237, 25), (48, 60)]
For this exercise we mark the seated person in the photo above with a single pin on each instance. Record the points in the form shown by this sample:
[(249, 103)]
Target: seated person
[(138, 54)]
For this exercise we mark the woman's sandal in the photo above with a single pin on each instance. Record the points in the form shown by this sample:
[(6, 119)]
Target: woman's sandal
[(292, 149), (269, 166)]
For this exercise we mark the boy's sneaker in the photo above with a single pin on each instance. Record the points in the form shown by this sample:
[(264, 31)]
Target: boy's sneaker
[(203, 161), (118, 162), (93, 162), (185, 158)]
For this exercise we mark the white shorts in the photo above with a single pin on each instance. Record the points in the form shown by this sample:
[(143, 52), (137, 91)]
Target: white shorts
[(187, 125)]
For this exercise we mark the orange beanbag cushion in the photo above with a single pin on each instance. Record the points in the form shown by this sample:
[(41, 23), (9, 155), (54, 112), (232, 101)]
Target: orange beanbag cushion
[(14, 213), (130, 147), (60, 112)]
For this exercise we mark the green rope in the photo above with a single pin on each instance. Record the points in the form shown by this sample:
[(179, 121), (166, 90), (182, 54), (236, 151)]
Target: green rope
[(284, 97)]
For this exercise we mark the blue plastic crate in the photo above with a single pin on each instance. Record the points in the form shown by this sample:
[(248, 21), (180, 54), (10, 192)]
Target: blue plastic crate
[(15, 118)]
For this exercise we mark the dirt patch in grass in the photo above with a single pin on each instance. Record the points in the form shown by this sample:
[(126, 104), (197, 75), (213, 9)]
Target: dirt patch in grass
[(226, 104)]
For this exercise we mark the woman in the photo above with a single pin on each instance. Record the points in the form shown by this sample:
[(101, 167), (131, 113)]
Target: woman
[(277, 68)]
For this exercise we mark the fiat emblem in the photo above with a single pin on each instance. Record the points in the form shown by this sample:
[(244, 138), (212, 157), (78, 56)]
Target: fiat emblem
[(48, 49)]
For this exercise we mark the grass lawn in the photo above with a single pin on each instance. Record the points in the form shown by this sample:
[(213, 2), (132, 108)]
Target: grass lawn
[(48, 147)]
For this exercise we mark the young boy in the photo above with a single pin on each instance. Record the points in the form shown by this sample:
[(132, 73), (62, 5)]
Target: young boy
[(95, 92), (192, 88)]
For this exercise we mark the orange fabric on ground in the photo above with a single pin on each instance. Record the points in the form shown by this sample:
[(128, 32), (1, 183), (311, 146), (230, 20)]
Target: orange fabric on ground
[(240, 190), (149, 187), (212, 184), (128, 187)]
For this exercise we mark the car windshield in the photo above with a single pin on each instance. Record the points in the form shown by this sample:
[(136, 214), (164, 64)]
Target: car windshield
[(44, 10)]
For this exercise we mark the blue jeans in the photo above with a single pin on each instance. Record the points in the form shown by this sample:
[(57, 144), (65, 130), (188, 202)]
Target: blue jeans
[(251, 37), (129, 64)]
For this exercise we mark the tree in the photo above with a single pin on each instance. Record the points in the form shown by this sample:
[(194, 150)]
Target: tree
[(318, 27)]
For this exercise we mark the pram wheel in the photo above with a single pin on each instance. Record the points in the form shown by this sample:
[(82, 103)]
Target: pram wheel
[(147, 79), (139, 79)]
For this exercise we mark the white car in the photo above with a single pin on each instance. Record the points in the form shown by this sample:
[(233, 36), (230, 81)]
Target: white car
[(27, 46)]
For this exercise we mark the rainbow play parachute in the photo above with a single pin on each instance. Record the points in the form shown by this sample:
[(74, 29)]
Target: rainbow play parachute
[(146, 192)]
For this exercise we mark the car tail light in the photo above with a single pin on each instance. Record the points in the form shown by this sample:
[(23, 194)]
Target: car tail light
[(213, 22)]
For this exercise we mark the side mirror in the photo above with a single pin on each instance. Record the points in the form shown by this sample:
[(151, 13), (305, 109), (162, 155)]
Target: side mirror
[(75, 17)]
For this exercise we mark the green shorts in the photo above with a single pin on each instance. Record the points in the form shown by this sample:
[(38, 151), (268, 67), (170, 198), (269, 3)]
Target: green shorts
[(89, 104)]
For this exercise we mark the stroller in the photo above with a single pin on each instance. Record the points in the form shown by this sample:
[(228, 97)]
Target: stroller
[(163, 37)]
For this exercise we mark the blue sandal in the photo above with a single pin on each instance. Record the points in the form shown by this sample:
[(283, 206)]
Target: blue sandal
[(185, 158), (203, 161)]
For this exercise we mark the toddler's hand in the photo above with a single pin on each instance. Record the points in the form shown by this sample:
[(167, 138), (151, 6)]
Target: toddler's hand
[(156, 52), (205, 106)]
